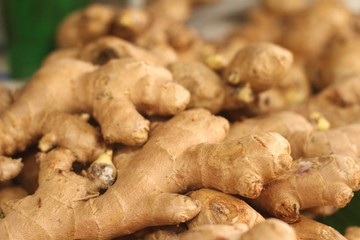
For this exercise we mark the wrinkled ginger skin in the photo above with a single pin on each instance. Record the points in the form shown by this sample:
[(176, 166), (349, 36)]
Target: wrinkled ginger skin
[(342, 140), (291, 126), (261, 65), (309, 229), (206, 87), (330, 179), (182, 144), (220, 208), (19, 124), (105, 93)]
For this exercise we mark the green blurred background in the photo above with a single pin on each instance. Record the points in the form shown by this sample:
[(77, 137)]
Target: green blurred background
[(30, 27)]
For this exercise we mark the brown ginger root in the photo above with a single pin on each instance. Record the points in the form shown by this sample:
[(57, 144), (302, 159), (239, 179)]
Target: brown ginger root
[(193, 152), (220, 208), (352, 233), (342, 140), (308, 229), (130, 22), (340, 61), (206, 87), (330, 179), (9, 168), (100, 93), (261, 25), (309, 32), (291, 126), (261, 65), (86, 25), (270, 229), (338, 103)]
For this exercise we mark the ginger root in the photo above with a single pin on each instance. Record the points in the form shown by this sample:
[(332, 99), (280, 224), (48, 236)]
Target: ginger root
[(352, 233), (261, 65), (9, 168), (220, 208), (285, 197), (308, 229), (206, 88), (188, 161), (104, 93)]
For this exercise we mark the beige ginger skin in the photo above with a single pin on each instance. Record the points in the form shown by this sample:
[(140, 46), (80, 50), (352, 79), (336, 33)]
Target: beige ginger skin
[(200, 156), (104, 93)]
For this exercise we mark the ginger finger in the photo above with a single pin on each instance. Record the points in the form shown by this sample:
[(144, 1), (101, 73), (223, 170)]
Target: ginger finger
[(71, 132), (68, 34), (352, 233), (342, 140), (339, 62), (332, 180), (181, 147), (206, 88), (290, 125), (151, 91), (221, 208), (20, 124), (86, 25), (130, 22), (251, 176), (102, 170), (9, 168), (262, 65), (308, 33), (310, 229)]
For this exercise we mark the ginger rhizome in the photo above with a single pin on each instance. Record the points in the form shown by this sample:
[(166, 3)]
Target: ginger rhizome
[(189, 160), (126, 145), (220, 208), (105, 93), (332, 180)]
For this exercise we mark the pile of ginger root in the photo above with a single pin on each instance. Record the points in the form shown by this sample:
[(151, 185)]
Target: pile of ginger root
[(137, 127)]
